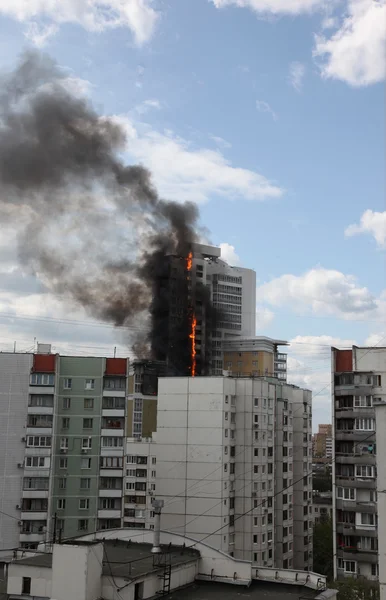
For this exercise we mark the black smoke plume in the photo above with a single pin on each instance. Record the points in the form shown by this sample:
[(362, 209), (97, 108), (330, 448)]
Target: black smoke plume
[(91, 228)]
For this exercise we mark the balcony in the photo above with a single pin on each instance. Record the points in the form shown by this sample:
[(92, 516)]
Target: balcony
[(113, 413), (110, 493), (280, 357), (355, 459), (40, 410), (354, 413), (109, 514), (33, 516), (32, 537), (111, 472), (355, 435), (112, 432), (35, 494)]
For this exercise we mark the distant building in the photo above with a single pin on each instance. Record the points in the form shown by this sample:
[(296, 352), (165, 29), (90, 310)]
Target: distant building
[(322, 442), (255, 357), (322, 507)]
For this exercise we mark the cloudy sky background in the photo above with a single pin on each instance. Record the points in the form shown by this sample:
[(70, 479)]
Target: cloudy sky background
[(267, 113)]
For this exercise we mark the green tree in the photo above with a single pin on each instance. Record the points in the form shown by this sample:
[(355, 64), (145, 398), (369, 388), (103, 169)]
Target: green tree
[(356, 589), (323, 549)]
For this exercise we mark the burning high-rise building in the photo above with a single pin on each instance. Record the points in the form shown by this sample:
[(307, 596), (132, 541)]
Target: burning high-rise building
[(205, 301)]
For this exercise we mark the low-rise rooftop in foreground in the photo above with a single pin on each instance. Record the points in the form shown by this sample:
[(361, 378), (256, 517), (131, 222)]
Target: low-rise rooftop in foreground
[(257, 591)]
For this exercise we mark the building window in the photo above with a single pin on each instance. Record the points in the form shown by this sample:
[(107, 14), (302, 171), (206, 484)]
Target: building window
[(39, 421), (83, 524), (88, 403), (65, 422), (63, 463), (66, 403), (84, 504), (255, 539), (89, 384), (85, 463), (112, 442), (67, 384), (85, 483), (365, 424), (26, 586), (61, 503), (364, 471), (87, 423), (86, 443), (42, 379), (226, 432), (35, 400), (64, 443), (62, 482), (34, 461), (38, 441), (345, 493)]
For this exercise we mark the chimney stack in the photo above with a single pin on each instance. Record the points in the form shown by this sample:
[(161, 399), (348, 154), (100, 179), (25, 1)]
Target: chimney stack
[(157, 506)]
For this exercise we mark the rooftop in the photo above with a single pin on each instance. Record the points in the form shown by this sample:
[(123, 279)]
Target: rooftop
[(125, 559), (257, 591)]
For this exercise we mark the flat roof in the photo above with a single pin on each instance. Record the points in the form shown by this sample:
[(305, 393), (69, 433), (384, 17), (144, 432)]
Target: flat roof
[(258, 590), (124, 559)]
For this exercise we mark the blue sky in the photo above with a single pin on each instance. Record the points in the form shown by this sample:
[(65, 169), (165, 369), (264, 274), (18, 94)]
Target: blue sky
[(269, 114)]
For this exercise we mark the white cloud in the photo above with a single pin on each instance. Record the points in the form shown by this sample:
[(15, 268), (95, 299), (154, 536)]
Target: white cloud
[(373, 223), (182, 172), (356, 52), (296, 75), (228, 253), (376, 339), (220, 142), (324, 291), (93, 15), (318, 345), (264, 318), (146, 105), (329, 23), (263, 106), (291, 7), (39, 34)]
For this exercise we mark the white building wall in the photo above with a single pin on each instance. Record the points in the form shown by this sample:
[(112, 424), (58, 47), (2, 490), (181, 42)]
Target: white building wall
[(77, 571), (40, 580), (192, 469), (14, 383), (140, 448)]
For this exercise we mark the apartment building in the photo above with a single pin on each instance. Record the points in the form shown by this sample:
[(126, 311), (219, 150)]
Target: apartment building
[(15, 372), (322, 442), (358, 381), (140, 483), (233, 293), (234, 464), (63, 440), (255, 357)]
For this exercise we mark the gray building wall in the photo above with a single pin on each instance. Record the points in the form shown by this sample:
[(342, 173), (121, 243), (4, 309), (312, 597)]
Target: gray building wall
[(14, 382)]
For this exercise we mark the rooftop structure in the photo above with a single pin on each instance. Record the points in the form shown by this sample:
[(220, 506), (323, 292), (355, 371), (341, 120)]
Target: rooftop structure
[(110, 565)]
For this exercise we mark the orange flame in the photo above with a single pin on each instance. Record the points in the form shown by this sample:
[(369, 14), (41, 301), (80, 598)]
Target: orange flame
[(192, 337), (189, 262)]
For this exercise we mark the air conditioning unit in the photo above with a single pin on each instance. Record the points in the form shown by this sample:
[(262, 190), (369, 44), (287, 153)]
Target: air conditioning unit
[(20, 465), (150, 492), (256, 426), (18, 507), (63, 451), (23, 439), (84, 450), (269, 542), (254, 494)]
